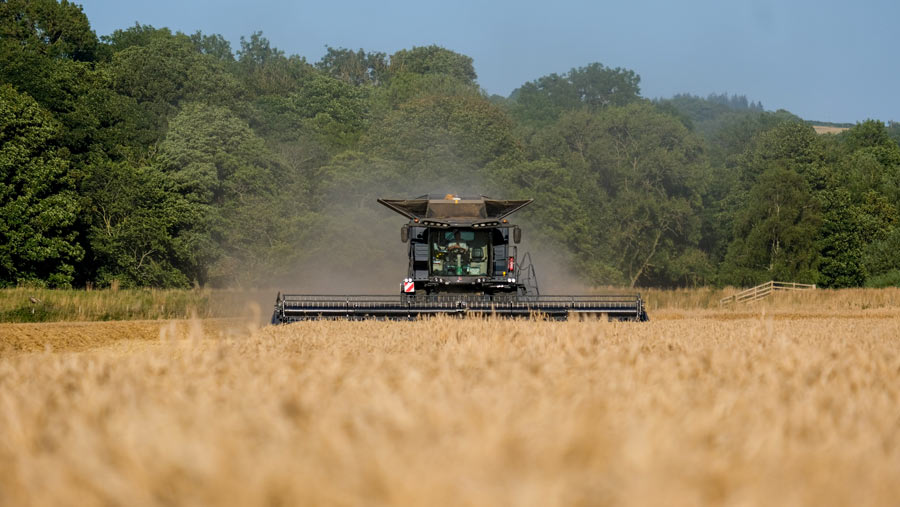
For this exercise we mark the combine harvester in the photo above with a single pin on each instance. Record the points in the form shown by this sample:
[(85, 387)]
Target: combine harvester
[(461, 263)]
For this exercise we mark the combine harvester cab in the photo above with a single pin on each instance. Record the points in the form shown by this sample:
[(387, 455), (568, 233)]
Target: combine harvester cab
[(463, 260)]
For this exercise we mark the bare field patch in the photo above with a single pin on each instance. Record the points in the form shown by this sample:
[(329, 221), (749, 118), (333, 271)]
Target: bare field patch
[(742, 411), (79, 336), (825, 129)]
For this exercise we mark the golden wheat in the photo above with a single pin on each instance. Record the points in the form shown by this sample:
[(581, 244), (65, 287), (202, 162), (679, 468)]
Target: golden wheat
[(457, 412), (56, 305)]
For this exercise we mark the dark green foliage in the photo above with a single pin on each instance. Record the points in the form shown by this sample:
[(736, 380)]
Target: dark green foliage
[(136, 219), (333, 111), (789, 145), (406, 86), (841, 243), (224, 172), (444, 142), (868, 134), (731, 134), (774, 234), (629, 180), (49, 28), (214, 45), (44, 47), (862, 209), (153, 158), (887, 279), (697, 109), (266, 70), (167, 71), (652, 171), (881, 259), (356, 68), (137, 35), (540, 102), (38, 205), (893, 131), (736, 102), (433, 60)]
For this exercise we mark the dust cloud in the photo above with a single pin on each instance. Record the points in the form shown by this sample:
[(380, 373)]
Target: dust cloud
[(357, 247), (552, 263)]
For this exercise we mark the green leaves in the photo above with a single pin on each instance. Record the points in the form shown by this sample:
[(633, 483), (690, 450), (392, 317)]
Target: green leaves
[(266, 70), (38, 207), (332, 111), (354, 67), (170, 70), (56, 30), (433, 60), (444, 142), (629, 179), (156, 158), (540, 102), (136, 218), (775, 233)]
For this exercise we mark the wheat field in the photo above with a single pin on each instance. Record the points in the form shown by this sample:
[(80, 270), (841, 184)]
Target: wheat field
[(776, 407)]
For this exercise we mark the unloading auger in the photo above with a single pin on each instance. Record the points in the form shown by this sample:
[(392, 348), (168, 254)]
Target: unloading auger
[(461, 263)]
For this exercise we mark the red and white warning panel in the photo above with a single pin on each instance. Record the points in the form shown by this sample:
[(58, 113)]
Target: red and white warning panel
[(409, 286)]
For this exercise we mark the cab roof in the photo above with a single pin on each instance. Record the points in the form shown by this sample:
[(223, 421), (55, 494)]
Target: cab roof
[(450, 206)]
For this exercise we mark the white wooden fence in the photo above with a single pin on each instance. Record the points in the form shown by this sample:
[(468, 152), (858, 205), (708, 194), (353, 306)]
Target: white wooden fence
[(763, 291)]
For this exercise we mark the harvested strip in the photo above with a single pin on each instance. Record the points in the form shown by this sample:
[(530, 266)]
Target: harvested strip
[(80, 336)]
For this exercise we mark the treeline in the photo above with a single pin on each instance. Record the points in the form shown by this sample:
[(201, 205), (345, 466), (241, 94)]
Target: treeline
[(153, 158)]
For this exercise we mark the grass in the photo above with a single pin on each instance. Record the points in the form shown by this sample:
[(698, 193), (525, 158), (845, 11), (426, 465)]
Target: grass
[(55, 305), (69, 305), (707, 409)]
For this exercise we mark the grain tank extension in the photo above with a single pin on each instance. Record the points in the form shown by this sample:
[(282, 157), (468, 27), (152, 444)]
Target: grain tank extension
[(463, 260)]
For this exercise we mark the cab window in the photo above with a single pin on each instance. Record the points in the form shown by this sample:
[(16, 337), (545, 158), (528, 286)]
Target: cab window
[(459, 252)]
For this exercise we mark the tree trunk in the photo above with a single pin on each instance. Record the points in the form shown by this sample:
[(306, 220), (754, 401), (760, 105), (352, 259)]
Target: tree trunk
[(646, 262)]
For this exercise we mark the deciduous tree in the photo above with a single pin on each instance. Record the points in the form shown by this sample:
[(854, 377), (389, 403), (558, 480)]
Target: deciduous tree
[(38, 205)]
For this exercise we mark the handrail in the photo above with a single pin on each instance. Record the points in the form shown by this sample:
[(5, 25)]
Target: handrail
[(529, 277), (764, 290)]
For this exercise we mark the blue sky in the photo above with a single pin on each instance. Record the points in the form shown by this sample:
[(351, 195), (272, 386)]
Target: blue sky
[(823, 60)]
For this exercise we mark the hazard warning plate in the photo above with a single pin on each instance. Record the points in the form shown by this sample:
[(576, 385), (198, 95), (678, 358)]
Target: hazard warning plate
[(409, 287)]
